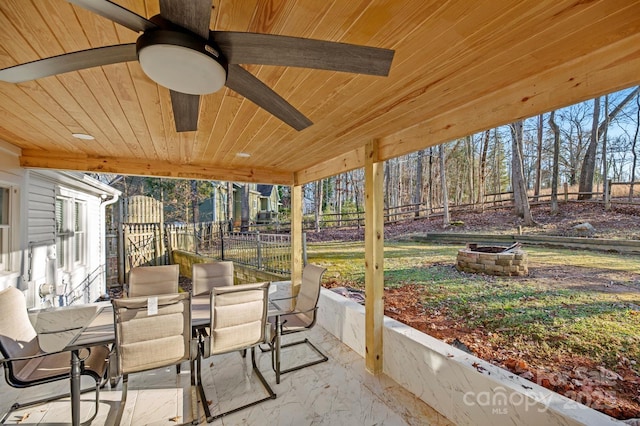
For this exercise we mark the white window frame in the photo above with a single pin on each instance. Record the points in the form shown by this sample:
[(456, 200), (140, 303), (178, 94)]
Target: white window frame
[(79, 245), (71, 235), (6, 220)]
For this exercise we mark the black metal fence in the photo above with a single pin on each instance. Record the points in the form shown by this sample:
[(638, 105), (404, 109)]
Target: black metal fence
[(264, 251)]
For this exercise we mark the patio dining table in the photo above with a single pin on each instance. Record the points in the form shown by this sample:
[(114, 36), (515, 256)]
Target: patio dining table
[(73, 328)]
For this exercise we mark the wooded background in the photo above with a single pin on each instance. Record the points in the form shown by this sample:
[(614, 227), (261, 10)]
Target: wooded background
[(585, 144)]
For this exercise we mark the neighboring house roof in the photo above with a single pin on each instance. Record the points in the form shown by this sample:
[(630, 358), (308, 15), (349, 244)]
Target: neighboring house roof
[(265, 190)]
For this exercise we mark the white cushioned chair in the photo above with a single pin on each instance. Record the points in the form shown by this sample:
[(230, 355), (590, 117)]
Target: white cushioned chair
[(153, 280), (26, 364), (238, 322), (146, 340), (206, 276)]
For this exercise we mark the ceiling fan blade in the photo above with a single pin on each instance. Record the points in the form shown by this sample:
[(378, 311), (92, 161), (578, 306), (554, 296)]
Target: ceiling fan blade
[(70, 62), (185, 111), (194, 15), (116, 13), (271, 49), (243, 82)]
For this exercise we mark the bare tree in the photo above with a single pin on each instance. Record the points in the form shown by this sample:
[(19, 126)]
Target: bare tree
[(536, 188), (417, 190), (244, 209), (633, 147), (318, 203), (195, 210), (230, 217), (556, 162), (521, 201), (482, 174), (468, 141), (589, 164), (605, 186), (443, 183)]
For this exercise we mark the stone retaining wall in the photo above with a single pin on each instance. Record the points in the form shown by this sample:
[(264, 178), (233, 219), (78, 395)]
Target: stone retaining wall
[(513, 263)]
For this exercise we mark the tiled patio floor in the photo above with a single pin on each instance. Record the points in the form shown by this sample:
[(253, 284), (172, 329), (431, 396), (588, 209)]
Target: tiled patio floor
[(337, 392)]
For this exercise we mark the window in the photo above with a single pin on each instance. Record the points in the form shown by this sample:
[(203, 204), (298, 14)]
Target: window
[(79, 247), (5, 227), (71, 235)]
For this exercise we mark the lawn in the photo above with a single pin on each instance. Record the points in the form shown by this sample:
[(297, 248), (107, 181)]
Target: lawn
[(575, 307)]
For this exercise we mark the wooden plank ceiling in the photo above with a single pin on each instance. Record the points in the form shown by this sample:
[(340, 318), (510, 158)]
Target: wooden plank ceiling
[(460, 66)]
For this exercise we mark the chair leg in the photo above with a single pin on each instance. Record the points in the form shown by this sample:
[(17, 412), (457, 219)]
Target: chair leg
[(276, 362), (200, 388), (264, 383), (123, 399), (272, 394), (16, 406)]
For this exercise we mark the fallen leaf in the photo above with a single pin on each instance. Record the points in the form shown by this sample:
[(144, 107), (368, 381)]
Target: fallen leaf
[(527, 375), (174, 419)]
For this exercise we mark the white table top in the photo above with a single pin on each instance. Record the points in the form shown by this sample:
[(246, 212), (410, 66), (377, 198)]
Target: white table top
[(72, 327)]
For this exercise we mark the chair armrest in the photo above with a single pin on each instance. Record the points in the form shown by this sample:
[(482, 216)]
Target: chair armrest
[(283, 298), (41, 355), (27, 358), (296, 312)]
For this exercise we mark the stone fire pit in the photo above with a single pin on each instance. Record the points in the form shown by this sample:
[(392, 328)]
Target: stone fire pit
[(493, 260)]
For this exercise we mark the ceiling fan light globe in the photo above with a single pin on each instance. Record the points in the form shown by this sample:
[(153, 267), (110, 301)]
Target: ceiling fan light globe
[(181, 62)]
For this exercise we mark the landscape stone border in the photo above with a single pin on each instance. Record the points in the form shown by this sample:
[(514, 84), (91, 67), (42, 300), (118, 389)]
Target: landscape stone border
[(512, 263)]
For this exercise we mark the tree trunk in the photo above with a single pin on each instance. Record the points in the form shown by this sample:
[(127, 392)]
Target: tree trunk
[(589, 163), (482, 175), (470, 180), (443, 184), (244, 209), (387, 183), (230, 217), (605, 187), (536, 189), (417, 190), (430, 183), (318, 203), (556, 160), (633, 147), (520, 199), (195, 210), (339, 180), (496, 162)]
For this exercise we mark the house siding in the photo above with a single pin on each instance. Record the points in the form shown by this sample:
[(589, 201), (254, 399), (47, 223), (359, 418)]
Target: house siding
[(13, 176), (41, 211)]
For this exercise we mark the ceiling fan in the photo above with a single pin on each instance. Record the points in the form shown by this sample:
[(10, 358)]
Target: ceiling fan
[(177, 50)]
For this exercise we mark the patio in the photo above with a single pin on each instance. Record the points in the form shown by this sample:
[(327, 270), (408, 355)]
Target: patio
[(336, 392)]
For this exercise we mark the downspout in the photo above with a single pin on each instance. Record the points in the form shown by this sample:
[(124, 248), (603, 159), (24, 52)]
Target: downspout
[(103, 205)]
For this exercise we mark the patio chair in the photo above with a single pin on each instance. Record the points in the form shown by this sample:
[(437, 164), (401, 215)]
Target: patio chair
[(301, 318), (149, 337), (26, 365), (153, 280), (206, 276), (238, 322)]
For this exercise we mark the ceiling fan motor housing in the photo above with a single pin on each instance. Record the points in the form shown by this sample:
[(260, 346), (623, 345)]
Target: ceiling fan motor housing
[(181, 61)]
